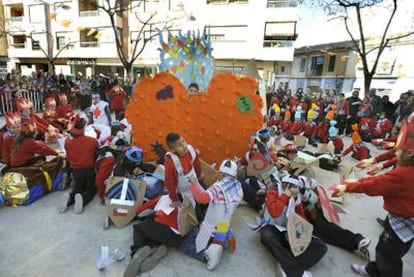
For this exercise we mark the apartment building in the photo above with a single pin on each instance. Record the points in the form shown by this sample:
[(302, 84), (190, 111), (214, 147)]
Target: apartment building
[(326, 66), (240, 30)]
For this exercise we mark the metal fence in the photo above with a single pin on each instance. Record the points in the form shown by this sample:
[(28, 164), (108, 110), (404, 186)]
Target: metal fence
[(7, 103)]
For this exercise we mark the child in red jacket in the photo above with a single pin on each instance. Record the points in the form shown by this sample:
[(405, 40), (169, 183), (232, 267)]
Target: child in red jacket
[(310, 125), (383, 127), (13, 124), (274, 236), (336, 140), (359, 150), (117, 95), (398, 193), (26, 150), (81, 155), (366, 128), (320, 134)]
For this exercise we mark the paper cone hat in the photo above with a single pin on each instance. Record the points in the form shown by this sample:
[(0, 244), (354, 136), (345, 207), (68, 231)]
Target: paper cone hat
[(12, 119), (405, 140)]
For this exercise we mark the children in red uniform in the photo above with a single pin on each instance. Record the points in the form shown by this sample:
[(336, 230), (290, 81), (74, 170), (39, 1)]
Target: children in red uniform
[(366, 128), (398, 193), (336, 140), (81, 155), (64, 111), (310, 125), (26, 150)]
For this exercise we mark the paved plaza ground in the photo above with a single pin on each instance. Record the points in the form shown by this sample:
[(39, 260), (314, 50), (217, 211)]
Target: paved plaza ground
[(38, 241)]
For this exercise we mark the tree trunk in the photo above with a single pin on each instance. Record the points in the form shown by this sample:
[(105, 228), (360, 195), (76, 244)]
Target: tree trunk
[(51, 67), (367, 83), (129, 72)]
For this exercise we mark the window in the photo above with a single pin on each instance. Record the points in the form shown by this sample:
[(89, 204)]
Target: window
[(331, 64), (279, 34), (88, 41), (19, 41), (61, 42), (35, 44), (317, 66), (16, 10), (88, 8), (282, 69), (37, 13), (226, 1), (232, 33), (282, 3), (302, 64)]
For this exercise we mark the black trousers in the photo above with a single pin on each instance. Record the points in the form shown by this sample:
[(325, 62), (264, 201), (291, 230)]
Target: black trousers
[(85, 102), (341, 123), (277, 244), (84, 184), (388, 253), (250, 188), (334, 234), (152, 233), (118, 114)]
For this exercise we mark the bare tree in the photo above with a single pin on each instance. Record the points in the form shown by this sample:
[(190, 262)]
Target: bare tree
[(343, 8), (129, 50)]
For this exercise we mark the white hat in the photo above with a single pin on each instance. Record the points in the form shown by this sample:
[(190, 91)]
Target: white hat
[(229, 167)]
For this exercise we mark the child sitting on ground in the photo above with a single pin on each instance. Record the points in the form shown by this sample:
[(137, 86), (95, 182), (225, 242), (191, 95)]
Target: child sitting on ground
[(359, 150)]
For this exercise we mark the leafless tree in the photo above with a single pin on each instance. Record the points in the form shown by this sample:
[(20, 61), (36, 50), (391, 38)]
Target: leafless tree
[(343, 8), (129, 50)]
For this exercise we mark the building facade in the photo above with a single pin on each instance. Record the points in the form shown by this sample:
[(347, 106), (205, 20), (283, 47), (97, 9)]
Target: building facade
[(3, 44), (239, 29), (327, 66)]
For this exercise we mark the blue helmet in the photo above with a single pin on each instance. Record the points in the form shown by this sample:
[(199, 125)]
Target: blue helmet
[(134, 154)]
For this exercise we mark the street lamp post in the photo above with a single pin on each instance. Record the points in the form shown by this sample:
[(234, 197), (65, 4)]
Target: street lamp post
[(49, 39)]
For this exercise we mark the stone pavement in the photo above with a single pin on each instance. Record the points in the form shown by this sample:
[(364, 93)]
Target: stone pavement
[(38, 241)]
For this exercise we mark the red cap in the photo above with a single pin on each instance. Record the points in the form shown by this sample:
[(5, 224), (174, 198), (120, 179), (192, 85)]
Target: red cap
[(24, 103), (78, 131), (12, 119), (50, 101)]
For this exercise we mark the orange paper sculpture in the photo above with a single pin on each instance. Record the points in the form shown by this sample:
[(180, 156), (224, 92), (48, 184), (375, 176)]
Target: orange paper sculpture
[(219, 123)]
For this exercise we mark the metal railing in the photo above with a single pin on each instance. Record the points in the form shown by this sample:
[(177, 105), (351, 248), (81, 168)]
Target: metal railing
[(18, 45), (7, 102), (282, 3), (278, 43)]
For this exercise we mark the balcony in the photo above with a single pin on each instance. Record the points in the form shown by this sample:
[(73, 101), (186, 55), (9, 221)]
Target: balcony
[(89, 13), (278, 43), (16, 18), (89, 44), (18, 45)]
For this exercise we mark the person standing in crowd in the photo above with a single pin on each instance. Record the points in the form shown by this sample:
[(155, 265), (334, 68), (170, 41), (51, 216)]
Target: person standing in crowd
[(81, 152), (353, 102), (389, 108), (99, 111), (376, 102), (118, 97), (85, 94), (408, 108), (342, 113)]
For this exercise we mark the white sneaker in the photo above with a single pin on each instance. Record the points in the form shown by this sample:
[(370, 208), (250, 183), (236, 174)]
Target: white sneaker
[(359, 269), (78, 203), (64, 203), (364, 243), (307, 274), (213, 255)]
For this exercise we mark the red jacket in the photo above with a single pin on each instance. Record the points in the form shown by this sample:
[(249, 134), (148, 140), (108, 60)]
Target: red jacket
[(319, 103), (309, 128), (343, 108), (338, 143), (171, 176), (117, 95), (42, 124), (396, 188), (104, 169), (382, 128), (49, 115), (321, 131), (295, 128), (28, 150), (360, 152), (275, 204), (284, 126), (367, 125), (274, 121), (80, 152), (7, 148), (64, 111)]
